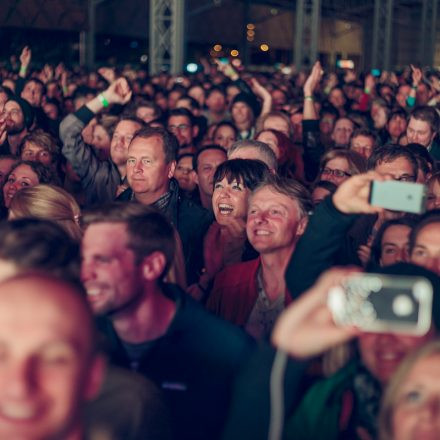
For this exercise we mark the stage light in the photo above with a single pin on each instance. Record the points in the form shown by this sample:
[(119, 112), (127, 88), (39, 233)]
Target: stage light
[(192, 67)]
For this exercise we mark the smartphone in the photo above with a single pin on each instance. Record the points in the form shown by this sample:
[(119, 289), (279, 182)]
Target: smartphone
[(398, 196), (375, 72), (383, 303)]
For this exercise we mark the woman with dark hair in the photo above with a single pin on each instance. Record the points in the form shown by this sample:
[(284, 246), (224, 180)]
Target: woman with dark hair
[(391, 242), (225, 241), (289, 158)]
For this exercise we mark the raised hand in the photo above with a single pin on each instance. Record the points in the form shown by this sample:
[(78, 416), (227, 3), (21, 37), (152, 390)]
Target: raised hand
[(107, 73), (25, 57), (416, 75), (313, 79), (370, 82), (3, 133), (118, 92), (306, 327), (352, 196)]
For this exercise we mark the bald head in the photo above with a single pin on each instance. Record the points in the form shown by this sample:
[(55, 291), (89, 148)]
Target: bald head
[(48, 367)]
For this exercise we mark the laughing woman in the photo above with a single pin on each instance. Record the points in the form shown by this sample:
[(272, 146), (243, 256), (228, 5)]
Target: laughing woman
[(225, 241)]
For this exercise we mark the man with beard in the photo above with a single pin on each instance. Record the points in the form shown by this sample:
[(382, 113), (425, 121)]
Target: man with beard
[(155, 328), (19, 117)]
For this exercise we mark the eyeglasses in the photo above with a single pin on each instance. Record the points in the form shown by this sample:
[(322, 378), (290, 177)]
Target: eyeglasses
[(336, 173), (180, 127)]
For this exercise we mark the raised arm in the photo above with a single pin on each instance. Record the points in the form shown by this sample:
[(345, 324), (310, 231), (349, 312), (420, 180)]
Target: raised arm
[(309, 111)]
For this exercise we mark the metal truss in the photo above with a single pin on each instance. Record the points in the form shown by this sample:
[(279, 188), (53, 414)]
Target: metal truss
[(382, 28), (308, 14), (428, 32), (166, 36)]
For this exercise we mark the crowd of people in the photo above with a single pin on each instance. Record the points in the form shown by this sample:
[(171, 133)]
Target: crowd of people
[(164, 238)]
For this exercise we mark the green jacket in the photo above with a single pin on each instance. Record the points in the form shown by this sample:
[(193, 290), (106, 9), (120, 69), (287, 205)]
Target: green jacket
[(319, 414)]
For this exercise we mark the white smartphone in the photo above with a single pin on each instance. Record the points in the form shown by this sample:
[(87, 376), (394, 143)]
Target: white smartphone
[(383, 303), (398, 196)]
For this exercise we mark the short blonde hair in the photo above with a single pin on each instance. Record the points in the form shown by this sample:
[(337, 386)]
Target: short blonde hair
[(391, 394), (48, 202)]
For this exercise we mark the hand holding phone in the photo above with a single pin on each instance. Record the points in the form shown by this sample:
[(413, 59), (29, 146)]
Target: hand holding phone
[(383, 303)]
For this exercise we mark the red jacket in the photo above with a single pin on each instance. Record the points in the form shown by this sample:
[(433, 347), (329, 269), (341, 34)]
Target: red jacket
[(235, 292)]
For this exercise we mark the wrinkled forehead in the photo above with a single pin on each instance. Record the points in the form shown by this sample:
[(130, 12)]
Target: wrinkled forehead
[(270, 195)]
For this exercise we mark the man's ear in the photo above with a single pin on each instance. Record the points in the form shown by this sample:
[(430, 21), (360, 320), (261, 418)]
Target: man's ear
[(153, 266), (302, 226), (172, 168), (194, 177), (96, 375)]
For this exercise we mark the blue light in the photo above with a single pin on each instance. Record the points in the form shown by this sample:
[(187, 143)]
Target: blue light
[(192, 67)]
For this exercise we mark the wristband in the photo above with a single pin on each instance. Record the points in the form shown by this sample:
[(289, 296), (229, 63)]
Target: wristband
[(410, 101), (367, 90), (102, 100), (308, 98), (23, 70), (414, 87)]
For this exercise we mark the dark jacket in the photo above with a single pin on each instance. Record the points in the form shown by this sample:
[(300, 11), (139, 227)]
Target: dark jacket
[(191, 221), (313, 148), (194, 363), (318, 247), (99, 179)]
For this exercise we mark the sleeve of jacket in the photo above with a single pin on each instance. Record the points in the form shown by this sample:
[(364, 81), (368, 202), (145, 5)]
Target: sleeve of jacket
[(80, 155), (313, 148), (243, 86), (316, 249)]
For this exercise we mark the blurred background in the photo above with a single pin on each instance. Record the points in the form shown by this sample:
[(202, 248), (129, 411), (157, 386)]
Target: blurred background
[(174, 35)]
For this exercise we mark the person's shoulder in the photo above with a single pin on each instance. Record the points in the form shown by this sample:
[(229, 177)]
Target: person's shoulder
[(195, 321), (195, 212), (125, 195)]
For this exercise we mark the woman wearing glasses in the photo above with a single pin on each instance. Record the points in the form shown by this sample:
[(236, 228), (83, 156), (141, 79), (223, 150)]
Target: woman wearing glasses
[(338, 165)]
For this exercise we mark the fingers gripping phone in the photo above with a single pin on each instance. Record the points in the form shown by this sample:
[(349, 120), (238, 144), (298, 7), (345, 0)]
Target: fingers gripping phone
[(383, 303)]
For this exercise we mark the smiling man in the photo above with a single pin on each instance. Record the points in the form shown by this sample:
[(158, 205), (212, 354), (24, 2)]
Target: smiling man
[(153, 327), (48, 365), (252, 294)]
